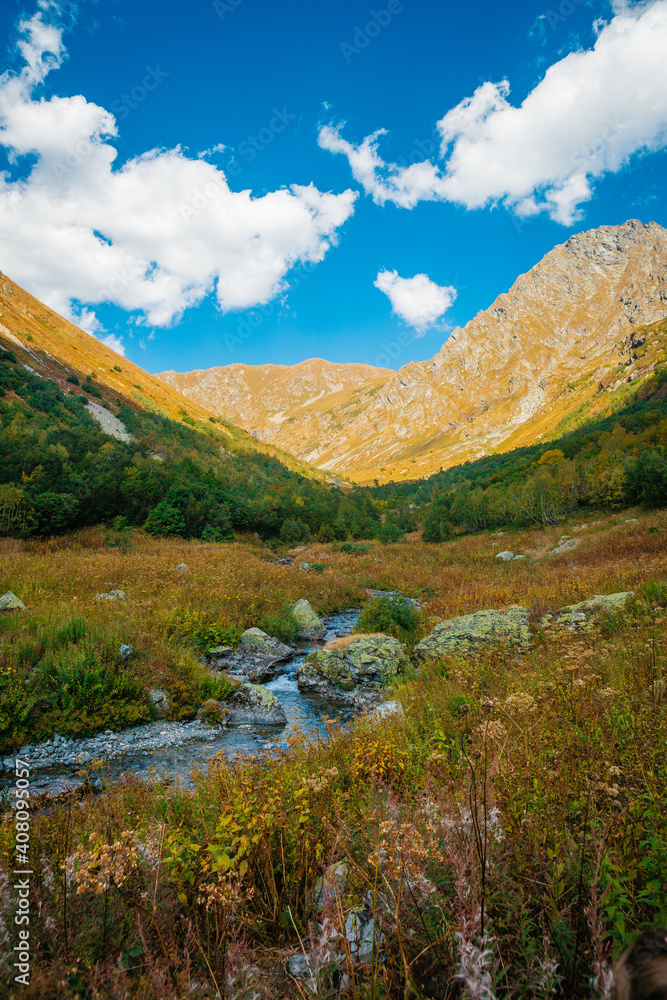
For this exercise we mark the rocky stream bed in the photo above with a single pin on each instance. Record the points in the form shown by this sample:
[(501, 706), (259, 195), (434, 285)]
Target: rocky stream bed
[(173, 750)]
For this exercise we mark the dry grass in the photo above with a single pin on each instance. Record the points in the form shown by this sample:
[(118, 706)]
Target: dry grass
[(521, 798), (346, 640)]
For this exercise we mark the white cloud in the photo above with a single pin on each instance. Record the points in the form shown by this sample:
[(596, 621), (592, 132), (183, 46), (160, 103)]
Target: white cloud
[(418, 300), (404, 186), (154, 235), (115, 343), (590, 114)]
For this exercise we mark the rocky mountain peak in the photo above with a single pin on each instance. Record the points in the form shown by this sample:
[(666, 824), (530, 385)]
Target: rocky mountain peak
[(500, 380)]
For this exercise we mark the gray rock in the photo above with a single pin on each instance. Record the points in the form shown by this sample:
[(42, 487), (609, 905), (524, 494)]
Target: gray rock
[(344, 669), (126, 651), (505, 556), (387, 710), (159, 701), (518, 557), (331, 885), (305, 566), (263, 647), (458, 636), (10, 602), (301, 966), (363, 934), (219, 652), (310, 625), (254, 704), (579, 616), (182, 568), (570, 543), (113, 595)]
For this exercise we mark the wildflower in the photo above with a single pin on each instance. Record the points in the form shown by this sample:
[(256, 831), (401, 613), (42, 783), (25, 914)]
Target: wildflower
[(105, 865), (473, 963), (520, 703)]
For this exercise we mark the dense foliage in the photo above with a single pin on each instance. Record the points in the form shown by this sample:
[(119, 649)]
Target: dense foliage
[(608, 463), (60, 471)]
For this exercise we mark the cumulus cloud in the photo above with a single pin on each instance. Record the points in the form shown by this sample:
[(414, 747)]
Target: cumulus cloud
[(154, 235), (404, 186), (417, 300), (592, 111)]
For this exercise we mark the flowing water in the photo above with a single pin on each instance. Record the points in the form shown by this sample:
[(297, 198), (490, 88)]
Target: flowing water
[(172, 750)]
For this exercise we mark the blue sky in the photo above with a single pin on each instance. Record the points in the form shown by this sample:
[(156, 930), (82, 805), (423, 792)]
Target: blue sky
[(165, 259)]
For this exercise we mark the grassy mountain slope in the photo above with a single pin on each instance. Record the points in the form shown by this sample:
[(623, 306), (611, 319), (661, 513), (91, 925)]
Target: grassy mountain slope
[(54, 348), (506, 379)]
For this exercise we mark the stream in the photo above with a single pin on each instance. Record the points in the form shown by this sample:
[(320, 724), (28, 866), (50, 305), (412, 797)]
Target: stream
[(172, 750)]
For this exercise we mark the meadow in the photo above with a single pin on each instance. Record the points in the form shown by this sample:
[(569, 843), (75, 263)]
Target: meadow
[(506, 836)]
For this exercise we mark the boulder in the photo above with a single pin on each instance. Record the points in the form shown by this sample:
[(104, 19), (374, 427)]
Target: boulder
[(505, 556), (126, 652), (10, 602), (254, 704), (263, 647), (459, 636), (113, 595), (387, 710), (217, 657), (159, 701), (310, 625), (305, 566), (578, 616), (352, 667), (212, 711), (182, 568)]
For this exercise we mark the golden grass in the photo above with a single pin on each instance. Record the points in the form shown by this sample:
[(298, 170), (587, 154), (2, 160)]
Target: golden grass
[(346, 640), (572, 732)]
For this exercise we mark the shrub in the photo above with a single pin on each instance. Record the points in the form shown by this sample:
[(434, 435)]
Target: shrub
[(280, 623), (293, 532), (390, 532), (54, 513), (165, 520), (392, 615), (73, 380), (326, 533)]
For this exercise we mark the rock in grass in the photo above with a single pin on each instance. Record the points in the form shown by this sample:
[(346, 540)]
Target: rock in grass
[(354, 665), (113, 595), (565, 546), (182, 568), (459, 636), (254, 704), (578, 616), (310, 625), (10, 602), (126, 652), (505, 556), (301, 966), (159, 701), (387, 710)]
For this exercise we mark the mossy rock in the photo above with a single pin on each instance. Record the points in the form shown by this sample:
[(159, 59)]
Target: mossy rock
[(459, 636), (255, 705), (310, 625), (263, 647), (368, 662), (580, 616)]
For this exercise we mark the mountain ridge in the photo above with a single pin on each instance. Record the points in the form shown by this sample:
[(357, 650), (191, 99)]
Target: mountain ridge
[(538, 352)]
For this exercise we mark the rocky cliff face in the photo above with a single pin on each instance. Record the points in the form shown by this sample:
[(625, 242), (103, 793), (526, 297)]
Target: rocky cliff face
[(505, 379)]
